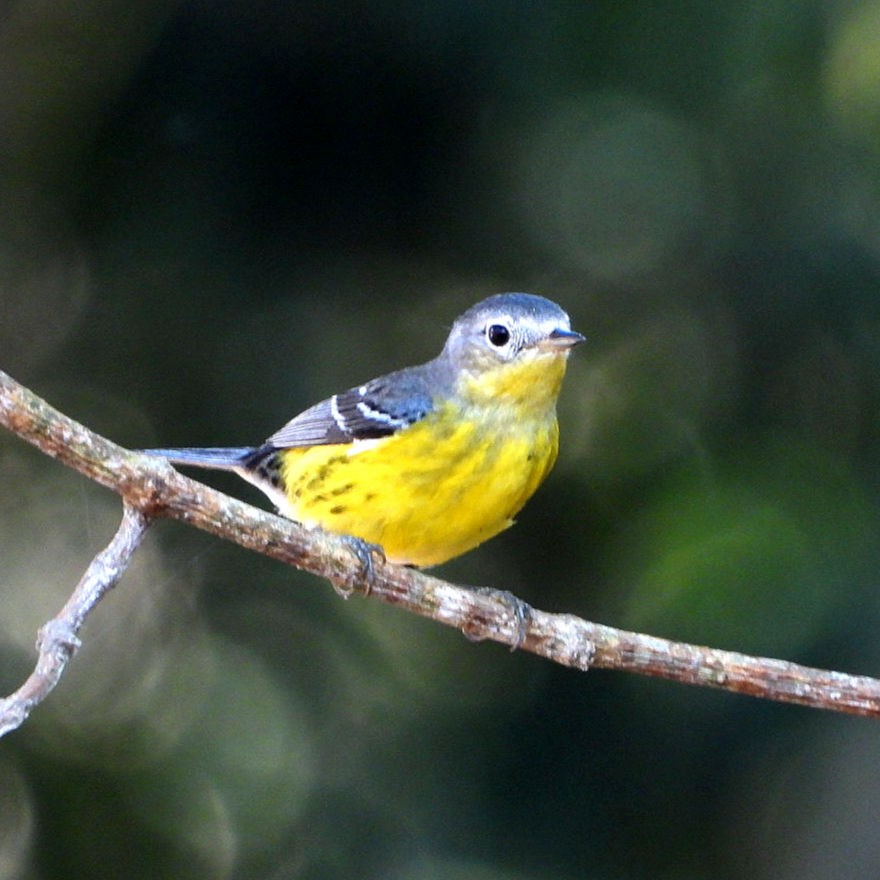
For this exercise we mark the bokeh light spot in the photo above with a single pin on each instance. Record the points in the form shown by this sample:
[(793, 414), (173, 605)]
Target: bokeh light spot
[(610, 185)]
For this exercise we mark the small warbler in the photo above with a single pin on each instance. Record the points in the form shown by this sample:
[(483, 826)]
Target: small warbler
[(432, 460)]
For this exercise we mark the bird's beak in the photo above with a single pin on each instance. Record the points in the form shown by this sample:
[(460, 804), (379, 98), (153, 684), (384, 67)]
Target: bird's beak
[(561, 340)]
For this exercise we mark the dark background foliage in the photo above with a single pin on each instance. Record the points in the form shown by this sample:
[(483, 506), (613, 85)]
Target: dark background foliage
[(213, 214)]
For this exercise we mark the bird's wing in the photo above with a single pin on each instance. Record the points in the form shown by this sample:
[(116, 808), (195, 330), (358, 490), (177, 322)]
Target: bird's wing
[(382, 407)]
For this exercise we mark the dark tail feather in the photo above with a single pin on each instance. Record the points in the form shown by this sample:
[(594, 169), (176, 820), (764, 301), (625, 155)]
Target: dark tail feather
[(228, 458)]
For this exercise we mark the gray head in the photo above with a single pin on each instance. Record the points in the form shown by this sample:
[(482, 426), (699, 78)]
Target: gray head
[(507, 326)]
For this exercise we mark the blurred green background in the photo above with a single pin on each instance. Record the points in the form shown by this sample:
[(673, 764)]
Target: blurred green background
[(213, 214)]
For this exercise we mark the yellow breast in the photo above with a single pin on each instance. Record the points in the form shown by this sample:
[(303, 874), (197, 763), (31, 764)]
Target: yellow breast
[(438, 488)]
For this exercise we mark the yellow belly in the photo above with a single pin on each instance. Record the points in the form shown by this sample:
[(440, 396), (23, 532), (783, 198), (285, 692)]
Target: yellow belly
[(426, 494)]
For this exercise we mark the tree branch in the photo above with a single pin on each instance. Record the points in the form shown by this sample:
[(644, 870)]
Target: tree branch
[(58, 640), (151, 488)]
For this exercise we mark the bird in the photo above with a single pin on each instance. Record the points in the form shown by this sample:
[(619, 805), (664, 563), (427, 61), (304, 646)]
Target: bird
[(429, 461)]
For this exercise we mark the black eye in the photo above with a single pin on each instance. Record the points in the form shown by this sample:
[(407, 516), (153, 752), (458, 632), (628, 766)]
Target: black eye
[(498, 335)]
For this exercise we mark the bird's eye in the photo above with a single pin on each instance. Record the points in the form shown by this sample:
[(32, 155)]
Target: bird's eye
[(498, 335)]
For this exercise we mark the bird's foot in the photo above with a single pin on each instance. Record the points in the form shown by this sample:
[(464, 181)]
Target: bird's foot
[(520, 611), (364, 551)]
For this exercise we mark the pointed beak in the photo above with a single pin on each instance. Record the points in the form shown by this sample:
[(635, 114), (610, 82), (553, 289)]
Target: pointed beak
[(561, 340)]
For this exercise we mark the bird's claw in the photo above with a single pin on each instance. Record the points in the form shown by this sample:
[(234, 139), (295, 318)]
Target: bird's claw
[(366, 577), (520, 611)]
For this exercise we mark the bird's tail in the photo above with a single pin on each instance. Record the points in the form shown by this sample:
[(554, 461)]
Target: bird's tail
[(224, 458)]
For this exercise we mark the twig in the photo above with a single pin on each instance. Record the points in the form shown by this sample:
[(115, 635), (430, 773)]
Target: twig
[(58, 640), (151, 488)]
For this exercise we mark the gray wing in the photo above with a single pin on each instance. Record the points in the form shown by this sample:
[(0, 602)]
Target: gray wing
[(382, 407)]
